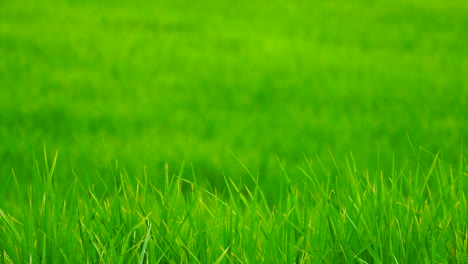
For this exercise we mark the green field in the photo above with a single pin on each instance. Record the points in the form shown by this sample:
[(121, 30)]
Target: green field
[(272, 131)]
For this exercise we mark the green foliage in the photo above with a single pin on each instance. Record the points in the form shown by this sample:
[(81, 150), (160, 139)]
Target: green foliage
[(408, 215), (152, 83), (180, 80)]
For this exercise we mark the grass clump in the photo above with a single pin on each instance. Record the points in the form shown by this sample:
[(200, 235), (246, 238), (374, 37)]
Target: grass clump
[(407, 215)]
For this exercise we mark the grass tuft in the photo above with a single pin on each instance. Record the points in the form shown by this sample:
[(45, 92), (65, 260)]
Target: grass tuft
[(352, 216)]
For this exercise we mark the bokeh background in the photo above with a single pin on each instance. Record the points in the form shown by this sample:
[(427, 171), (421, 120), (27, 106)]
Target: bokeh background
[(149, 82)]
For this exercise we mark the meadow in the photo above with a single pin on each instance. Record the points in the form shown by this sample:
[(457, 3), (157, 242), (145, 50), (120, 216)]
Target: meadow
[(249, 131)]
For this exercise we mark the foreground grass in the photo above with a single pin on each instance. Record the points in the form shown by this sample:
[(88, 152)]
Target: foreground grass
[(408, 215)]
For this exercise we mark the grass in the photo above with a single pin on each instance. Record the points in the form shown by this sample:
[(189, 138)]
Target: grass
[(172, 81), (154, 83), (408, 215)]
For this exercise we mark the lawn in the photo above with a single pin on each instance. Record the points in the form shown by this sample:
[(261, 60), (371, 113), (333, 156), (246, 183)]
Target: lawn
[(260, 111)]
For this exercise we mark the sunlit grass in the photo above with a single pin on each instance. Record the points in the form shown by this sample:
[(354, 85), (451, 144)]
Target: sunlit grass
[(407, 215), (154, 83)]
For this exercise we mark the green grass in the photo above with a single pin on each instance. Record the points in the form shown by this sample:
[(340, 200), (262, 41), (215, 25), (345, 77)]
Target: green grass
[(175, 80), (410, 215), (221, 87)]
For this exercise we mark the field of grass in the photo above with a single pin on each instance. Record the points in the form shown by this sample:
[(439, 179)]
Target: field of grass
[(311, 132), (405, 216)]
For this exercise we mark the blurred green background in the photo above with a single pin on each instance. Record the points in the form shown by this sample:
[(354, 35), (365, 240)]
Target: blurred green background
[(149, 82)]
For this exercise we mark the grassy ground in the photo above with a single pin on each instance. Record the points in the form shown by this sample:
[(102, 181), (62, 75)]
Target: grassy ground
[(415, 215), (156, 83)]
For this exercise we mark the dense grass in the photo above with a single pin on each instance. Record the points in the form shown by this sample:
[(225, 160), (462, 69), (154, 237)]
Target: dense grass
[(155, 83), (180, 80), (408, 215)]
